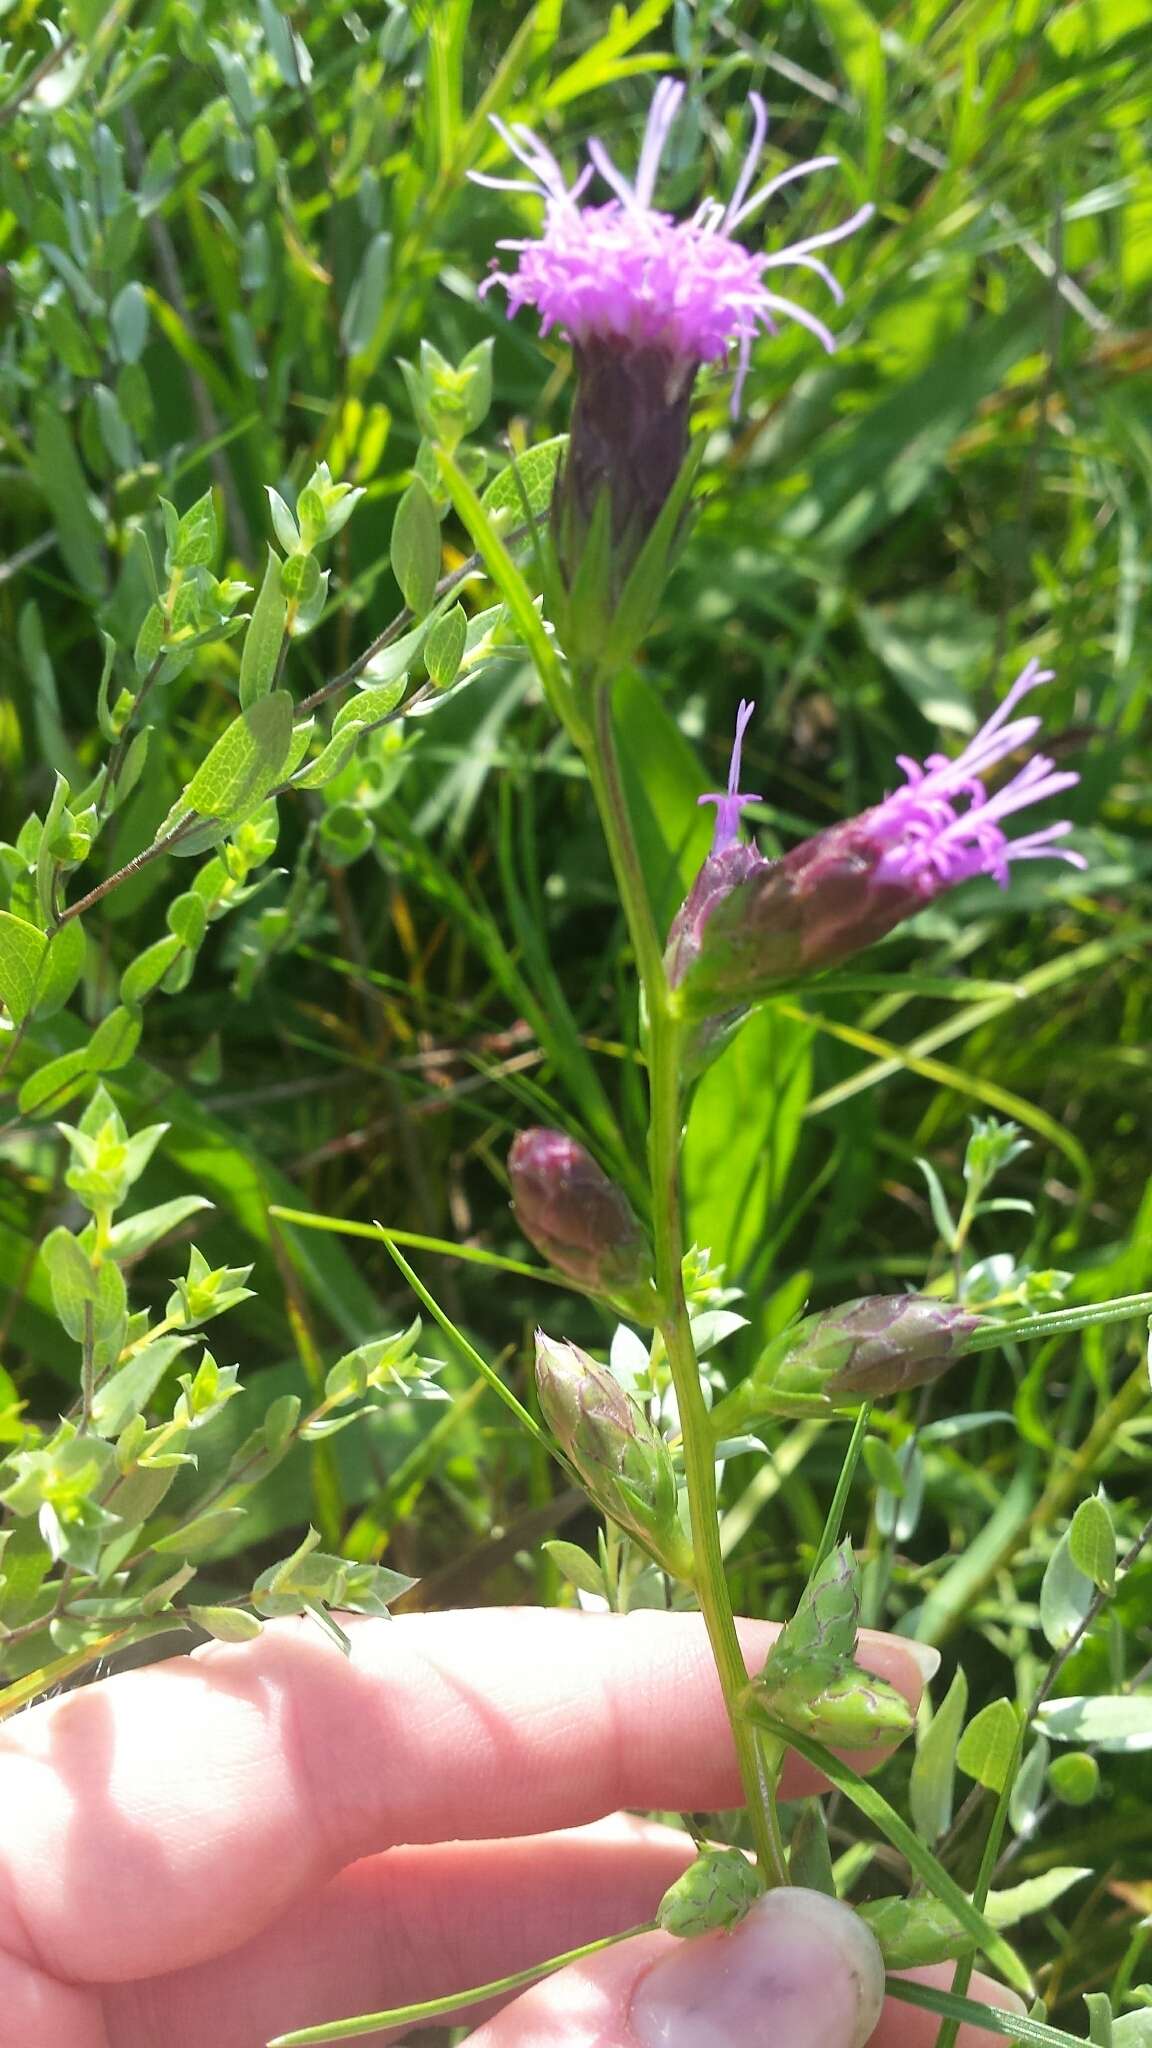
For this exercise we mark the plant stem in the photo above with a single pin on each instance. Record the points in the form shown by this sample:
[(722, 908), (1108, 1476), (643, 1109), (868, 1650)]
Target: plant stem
[(696, 1433), (663, 1056)]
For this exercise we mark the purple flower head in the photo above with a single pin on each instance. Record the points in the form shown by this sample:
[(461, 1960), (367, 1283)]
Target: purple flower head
[(625, 273), (750, 924)]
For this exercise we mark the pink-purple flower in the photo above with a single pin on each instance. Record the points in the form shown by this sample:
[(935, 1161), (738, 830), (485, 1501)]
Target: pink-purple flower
[(626, 273), (751, 923)]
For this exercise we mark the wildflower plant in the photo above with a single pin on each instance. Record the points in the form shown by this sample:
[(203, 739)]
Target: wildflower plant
[(120, 1514), (646, 301)]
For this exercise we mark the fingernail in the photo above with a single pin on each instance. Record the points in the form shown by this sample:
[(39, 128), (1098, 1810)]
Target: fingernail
[(927, 1659), (801, 1969)]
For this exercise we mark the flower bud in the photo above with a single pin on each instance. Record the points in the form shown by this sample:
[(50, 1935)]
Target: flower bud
[(624, 1462), (810, 1679), (880, 1344), (715, 1891), (579, 1219)]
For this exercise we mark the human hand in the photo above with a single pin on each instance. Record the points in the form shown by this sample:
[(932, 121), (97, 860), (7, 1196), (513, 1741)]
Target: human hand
[(225, 1846)]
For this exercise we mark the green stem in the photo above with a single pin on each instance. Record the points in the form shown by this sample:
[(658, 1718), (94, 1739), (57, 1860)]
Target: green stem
[(663, 1054), (603, 764)]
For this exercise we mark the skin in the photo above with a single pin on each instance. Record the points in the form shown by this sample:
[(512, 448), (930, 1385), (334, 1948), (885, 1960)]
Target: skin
[(229, 1844)]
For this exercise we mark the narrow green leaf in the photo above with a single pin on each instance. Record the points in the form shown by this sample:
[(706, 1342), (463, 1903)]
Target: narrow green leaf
[(432, 2008), (468, 1350), (66, 489), (415, 548), (809, 1856), (62, 968), (933, 1772), (1028, 1790), (195, 544), (187, 919), (504, 573), (127, 1391), (444, 647), (524, 489), (129, 318), (1120, 1723), (365, 303), (577, 1567), (55, 1083), (136, 1234), (113, 1042), (228, 1624), (264, 637), (985, 2019), (1066, 1594), (199, 1535)]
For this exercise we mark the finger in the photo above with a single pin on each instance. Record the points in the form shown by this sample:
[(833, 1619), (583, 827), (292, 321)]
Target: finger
[(909, 2026), (800, 1970), (166, 1815), (409, 1925)]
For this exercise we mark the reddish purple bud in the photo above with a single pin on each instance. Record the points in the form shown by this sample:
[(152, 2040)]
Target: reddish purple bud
[(579, 1219), (894, 1342), (880, 1344), (624, 1462)]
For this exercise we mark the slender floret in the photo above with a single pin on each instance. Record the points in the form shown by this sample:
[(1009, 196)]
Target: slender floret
[(750, 924), (730, 803), (627, 273)]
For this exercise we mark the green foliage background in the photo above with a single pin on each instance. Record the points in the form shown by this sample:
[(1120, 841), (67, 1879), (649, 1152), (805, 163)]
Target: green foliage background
[(222, 228)]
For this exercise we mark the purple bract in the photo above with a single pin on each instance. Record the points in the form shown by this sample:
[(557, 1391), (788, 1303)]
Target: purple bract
[(626, 272)]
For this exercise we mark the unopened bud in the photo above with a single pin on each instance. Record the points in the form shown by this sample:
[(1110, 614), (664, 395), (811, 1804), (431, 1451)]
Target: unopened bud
[(895, 1341), (624, 1462), (718, 1890), (880, 1344), (579, 1219), (810, 1680)]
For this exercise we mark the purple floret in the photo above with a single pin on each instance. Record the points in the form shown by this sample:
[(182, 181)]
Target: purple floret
[(942, 827), (731, 802)]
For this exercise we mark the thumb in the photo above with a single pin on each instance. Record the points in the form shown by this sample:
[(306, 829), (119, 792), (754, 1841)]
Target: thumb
[(801, 1971)]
